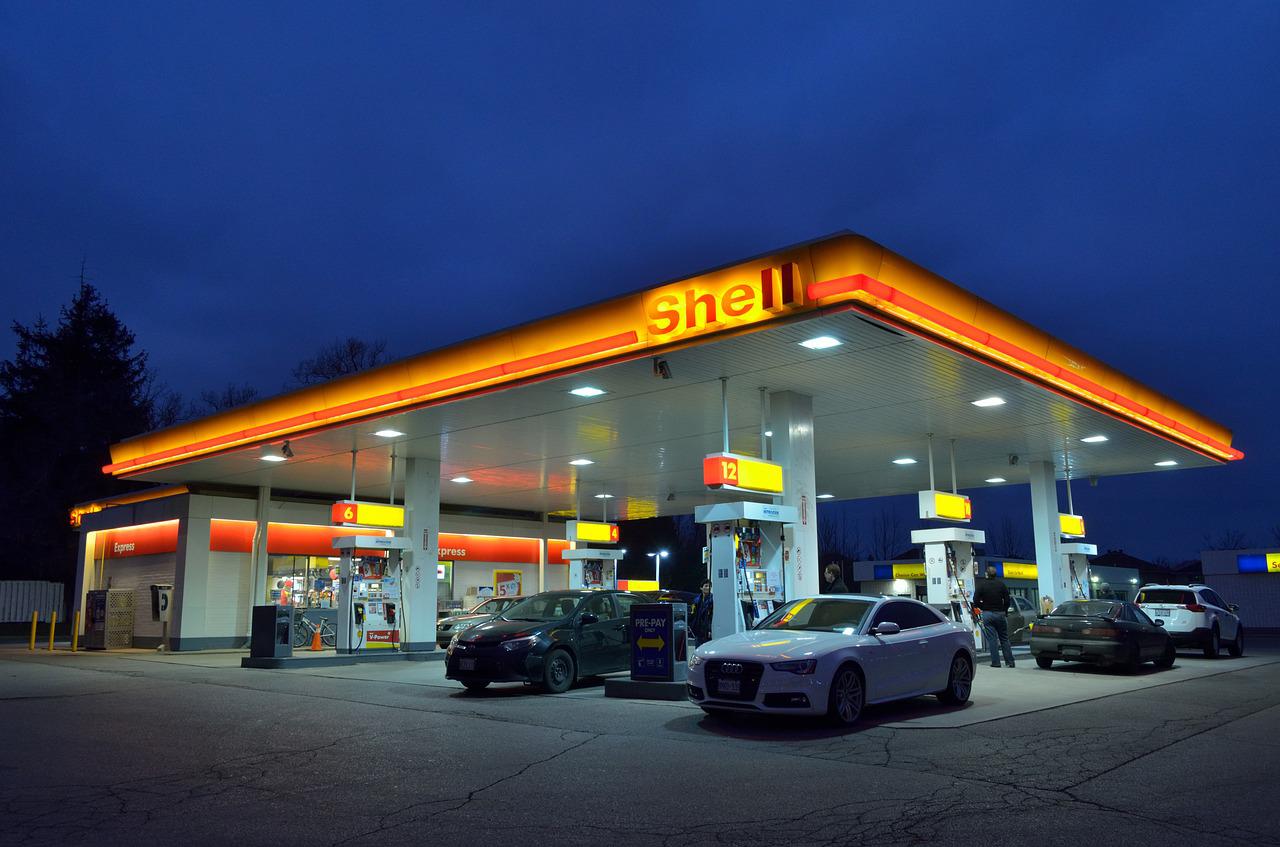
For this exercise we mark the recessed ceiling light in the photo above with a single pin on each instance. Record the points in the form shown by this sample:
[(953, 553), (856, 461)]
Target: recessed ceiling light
[(272, 457), (1094, 439), (989, 401), (604, 496), (461, 479), (905, 460), (768, 433), (1167, 463), (587, 391), (581, 462), (822, 342), (388, 433), (826, 496), (996, 479)]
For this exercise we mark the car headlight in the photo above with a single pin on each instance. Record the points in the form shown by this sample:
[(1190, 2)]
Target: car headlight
[(798, 666), (695, 660), (520, 643)]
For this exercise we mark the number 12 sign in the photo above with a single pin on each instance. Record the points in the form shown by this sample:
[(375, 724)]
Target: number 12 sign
[(732, 472)]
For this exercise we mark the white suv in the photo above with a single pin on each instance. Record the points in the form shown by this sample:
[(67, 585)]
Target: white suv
[(1194, 615)]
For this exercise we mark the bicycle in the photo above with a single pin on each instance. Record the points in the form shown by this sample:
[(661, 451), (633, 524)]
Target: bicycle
[(304, 628)]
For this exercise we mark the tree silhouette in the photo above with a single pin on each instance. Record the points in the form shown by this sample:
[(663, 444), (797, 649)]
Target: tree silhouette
[(69, 392)]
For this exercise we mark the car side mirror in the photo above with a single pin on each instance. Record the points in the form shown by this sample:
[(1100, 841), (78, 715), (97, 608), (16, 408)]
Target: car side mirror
[(1158, 622), (588, 618), (886, 628), (1232, 607)]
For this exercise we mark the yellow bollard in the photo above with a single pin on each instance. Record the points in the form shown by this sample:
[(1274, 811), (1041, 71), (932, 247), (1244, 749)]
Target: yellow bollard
[(35, 616), (53, 624), (75, 630)]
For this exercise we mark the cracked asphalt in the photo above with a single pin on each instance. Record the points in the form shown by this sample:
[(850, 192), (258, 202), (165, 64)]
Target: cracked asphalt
[(131, 748)]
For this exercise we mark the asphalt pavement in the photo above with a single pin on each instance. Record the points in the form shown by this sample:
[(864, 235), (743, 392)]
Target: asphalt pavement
[(132, 748)]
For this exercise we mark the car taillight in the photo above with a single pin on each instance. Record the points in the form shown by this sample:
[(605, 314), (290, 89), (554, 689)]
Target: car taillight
[(1102, 631), (1194, 607), (1046, 629)]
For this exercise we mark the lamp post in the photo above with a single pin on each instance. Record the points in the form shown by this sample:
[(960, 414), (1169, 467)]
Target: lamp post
[(657, 565)]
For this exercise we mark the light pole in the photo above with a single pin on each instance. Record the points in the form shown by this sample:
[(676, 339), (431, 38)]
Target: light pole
[(657, 565)]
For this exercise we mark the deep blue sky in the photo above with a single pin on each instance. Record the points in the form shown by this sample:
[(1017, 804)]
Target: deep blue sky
[(251, 180)]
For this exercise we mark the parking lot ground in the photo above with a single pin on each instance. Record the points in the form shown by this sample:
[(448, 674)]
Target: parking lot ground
[(131, 747)]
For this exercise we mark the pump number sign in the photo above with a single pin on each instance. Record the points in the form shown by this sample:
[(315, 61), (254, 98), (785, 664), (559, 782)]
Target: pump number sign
[(366, 514), (732, 472), (1071, 526)]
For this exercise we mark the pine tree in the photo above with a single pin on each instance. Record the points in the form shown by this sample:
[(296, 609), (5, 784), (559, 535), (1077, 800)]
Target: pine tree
[(68, 393)]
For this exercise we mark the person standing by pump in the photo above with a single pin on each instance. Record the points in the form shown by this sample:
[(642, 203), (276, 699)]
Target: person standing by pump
[(701, 613), (991, 597), (834, 576)]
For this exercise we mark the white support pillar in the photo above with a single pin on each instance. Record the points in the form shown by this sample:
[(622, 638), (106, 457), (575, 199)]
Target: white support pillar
[(191, 584), (258, 570), (84, 575), (1052, 577), (791, 420), (422, 529)]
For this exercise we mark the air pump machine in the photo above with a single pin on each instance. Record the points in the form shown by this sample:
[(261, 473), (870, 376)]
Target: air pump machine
[(746, 560), (370, 611)]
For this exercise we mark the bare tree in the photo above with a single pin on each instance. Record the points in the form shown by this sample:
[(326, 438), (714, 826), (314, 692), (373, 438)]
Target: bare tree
[(339, 358), (227, 397), (888, 534), (1007, 539), (1227, 539), (838, 537)]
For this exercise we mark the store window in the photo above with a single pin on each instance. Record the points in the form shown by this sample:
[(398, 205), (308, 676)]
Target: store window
[(305, 581)]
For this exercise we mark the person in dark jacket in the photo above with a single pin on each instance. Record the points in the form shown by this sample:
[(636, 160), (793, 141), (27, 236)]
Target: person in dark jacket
[(701, 613), (991, 598), (834, 579)]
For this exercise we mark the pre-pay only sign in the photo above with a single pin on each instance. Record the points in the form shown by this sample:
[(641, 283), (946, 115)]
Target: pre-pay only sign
[(658, 641)]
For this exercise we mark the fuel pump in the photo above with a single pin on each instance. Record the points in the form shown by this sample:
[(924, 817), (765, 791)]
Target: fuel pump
[(1077, 556), (745, 561), (592, 568), (950, 568), (370, 610)]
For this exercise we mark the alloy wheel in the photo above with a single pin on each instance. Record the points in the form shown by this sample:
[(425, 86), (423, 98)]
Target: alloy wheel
[(961, 679), (848, 695)]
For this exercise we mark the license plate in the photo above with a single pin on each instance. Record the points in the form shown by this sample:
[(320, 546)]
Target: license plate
[(466, 664), (1071, 650), (729, 686)]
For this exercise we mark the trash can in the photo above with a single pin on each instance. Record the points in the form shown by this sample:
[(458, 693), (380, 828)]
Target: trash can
[(272, 634)]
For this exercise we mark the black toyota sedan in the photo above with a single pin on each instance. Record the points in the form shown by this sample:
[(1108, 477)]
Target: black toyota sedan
[(549, 639), (1104, 632)]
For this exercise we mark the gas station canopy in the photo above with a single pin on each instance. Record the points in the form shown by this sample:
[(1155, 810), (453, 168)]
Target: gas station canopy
[(913, 354)]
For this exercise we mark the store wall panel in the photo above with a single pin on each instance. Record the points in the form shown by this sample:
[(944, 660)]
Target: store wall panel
[(227, 595), (137, 574)]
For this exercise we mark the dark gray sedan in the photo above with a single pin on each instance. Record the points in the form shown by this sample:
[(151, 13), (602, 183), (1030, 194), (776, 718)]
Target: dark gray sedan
[(1103, 632)]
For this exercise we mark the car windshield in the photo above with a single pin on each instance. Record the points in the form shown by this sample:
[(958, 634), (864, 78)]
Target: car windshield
[(1087, 609), (818, 615), (551, 606)]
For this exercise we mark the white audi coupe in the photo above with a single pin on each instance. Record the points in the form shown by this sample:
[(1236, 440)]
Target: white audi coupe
[(832, 655)]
